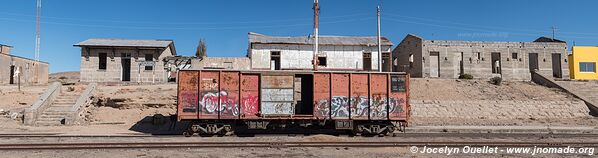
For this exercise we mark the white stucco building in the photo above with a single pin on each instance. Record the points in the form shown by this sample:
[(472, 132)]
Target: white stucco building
[(335, 53)]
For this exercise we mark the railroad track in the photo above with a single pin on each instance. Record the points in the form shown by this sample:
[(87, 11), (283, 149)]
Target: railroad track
[(145, 145), (407, 135)]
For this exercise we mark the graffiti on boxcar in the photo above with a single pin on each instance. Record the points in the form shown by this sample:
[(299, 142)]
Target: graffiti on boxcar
[(322, 107), (378, 106), (211, 100), (249, 104), (188, 101), (340, 106), (359, 106), (396, 105)]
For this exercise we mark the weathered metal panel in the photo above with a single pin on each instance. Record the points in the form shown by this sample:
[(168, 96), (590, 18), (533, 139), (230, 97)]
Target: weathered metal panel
[(209, 100), (188, 95), (340, 96), (359, 96), (250, 90), (322, 95), (277, 102), (285, 81), (398, 104), (379, 97), (229, 95), (277, 108), (277, 95)]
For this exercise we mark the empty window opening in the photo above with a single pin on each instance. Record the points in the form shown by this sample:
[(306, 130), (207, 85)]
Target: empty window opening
[(322, 61), (514, 56), (275, 60), (102, 63), (589, 67), (149, 57)]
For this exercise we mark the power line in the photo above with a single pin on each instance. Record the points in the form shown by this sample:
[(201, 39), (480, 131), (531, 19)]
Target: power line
[(193, 23), (189, 28)]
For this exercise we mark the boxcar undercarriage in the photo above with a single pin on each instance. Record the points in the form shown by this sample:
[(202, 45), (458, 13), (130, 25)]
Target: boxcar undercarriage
[(216, 127)]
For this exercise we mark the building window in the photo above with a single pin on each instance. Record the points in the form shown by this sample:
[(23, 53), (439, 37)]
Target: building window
[(514, 56), (479, 55), (102, 63), (322, 61), (149, 57), (587, 67)]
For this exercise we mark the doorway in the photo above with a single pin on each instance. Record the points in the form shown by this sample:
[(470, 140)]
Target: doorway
[(126, 69), (386, 63), (12, 74), (434, 64), (367, 61), (533, 62), (496, 63), (556, 65), (461, 65), (304, 85)]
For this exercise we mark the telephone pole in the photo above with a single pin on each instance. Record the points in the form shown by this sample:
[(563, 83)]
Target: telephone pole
[(379, 40), (316, 24), (38, 15)]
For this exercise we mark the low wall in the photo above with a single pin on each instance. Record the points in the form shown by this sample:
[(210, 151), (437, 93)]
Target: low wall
[(548, 82), (43, 102), (84, 99)]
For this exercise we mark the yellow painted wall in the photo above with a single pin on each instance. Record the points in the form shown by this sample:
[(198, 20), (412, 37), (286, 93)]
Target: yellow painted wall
[(583, 54)]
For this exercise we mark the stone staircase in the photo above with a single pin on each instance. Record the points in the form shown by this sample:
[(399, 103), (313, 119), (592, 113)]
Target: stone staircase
[(59, 110)]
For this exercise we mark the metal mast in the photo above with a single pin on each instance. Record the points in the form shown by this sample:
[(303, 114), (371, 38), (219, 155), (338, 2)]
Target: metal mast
[(379, 40), (316, 24), (37, 29)]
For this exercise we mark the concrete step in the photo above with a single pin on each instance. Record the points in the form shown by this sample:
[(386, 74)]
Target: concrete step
[(65, 99), (48, 123), (62, 105), (63, 113), (48, 119), (63, 102)]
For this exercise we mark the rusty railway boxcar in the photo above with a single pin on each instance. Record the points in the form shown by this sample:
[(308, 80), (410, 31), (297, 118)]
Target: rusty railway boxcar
[(222, 102)]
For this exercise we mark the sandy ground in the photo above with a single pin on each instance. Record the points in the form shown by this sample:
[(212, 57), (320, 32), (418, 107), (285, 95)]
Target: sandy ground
[(453, 89)]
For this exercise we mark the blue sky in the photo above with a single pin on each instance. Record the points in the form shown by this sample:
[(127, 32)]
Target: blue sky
[(225, 23)]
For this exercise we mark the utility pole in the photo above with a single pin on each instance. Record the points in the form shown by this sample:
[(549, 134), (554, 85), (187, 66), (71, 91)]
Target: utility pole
[(316, 24), (554, 29), (379, 40), (38, 14)]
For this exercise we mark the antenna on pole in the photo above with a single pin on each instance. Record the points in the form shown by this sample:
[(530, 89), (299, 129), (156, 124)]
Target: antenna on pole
[(37, 29), (379, 39), (554, 29), (316, 25)]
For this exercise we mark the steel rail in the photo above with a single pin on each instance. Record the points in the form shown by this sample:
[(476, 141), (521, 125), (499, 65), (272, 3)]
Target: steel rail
[(132, 145)]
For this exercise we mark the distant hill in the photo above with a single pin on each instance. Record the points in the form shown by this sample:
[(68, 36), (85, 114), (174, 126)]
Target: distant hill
[(68, 74)]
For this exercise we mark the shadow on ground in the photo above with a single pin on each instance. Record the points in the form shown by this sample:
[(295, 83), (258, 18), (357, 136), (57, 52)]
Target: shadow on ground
[(160, 125)]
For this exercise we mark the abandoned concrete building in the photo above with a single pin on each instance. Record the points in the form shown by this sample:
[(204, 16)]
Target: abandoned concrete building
[(509, 60), (30, 72), (334, 53), (230, 63), (119, 60)]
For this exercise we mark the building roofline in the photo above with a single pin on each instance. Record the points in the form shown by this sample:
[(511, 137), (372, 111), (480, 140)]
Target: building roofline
[(10, 55)]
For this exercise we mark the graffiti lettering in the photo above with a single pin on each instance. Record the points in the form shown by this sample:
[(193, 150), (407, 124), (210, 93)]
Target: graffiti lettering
[(249, 105), (211, 100), (359, 106)]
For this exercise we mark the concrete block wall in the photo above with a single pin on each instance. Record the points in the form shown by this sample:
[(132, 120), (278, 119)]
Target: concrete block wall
[(90, 71), (452, 52), (295, 56), (232, 63)]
